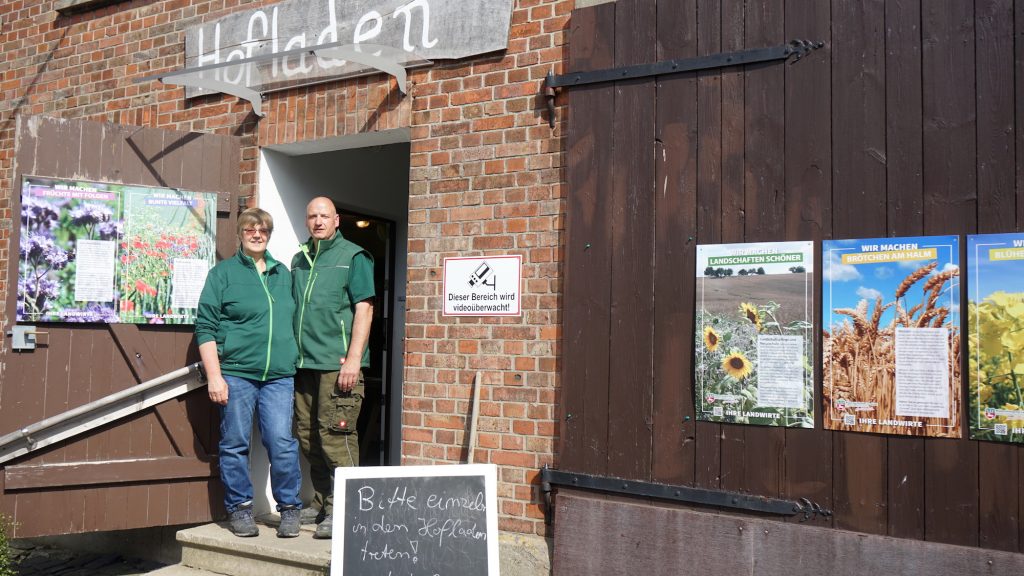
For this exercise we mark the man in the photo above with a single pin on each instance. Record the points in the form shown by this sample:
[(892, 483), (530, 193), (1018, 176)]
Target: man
[(332, 281)]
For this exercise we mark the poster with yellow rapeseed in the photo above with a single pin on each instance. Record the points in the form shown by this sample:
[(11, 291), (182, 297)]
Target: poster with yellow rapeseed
[(891, 344), (995, 320), (754, 334)]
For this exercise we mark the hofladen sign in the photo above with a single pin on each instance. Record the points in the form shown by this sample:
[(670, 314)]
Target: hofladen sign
[(422, 29)]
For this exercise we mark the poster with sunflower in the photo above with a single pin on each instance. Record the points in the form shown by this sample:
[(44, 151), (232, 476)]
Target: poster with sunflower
[(107, 253), (754, 334), (995, 319), (891, 343)]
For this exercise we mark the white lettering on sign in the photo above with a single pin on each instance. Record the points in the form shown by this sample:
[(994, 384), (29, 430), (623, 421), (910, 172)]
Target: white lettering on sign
[(407, 11), (427, 29)]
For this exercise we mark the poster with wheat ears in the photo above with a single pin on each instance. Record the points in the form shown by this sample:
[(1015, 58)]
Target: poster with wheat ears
[(891, 343), (754, 334), (106, 253), (995, 320)]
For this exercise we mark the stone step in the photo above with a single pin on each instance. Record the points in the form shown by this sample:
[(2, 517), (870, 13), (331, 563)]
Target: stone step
[(180, 570), (214, 548)]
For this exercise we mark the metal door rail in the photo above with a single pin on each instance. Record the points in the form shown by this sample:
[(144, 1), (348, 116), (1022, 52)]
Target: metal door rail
[(797, 48), (720, 498), (94, 414)]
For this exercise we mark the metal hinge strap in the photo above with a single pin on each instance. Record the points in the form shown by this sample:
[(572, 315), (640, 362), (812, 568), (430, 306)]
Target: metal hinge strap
[(701, 496), (797, 48)]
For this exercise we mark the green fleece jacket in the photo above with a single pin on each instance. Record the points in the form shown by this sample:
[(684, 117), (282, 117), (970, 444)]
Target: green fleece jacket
[(249, 316), (328, 279)]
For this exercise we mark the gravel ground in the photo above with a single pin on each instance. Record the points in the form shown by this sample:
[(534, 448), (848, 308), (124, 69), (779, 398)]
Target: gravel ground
[(35, 560)]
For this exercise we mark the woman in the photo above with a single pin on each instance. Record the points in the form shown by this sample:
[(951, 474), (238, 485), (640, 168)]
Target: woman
[(244, 332)]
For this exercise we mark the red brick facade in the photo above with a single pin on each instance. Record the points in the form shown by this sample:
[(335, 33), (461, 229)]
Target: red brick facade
[(486, 178)]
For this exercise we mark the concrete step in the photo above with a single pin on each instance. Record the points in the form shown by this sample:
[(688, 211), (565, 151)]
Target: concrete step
[(179, 570), (214, 548)]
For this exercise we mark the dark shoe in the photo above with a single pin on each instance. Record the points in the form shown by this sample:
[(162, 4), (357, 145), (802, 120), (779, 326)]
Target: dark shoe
[(324, 530), (242, 523), (311, 516), (289, 526)]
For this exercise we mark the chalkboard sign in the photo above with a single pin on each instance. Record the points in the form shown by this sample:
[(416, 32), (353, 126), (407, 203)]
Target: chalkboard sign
[(415, 520)]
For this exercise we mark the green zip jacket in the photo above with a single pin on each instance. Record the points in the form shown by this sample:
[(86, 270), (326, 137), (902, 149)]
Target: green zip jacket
[(328, 279), (249, 316)]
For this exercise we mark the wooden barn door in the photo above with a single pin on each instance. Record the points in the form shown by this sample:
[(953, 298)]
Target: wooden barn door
[(151, 469), (874, 135)]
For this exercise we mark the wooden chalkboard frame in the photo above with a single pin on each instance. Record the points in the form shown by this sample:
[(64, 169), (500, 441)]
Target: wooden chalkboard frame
[(489, 473)]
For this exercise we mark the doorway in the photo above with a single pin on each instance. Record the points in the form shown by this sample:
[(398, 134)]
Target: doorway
[(367, 178)]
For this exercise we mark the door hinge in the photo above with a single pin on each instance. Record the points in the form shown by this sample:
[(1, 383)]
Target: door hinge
[(794, 48)]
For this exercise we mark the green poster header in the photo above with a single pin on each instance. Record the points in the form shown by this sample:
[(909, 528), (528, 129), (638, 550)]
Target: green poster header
[(744, 259)]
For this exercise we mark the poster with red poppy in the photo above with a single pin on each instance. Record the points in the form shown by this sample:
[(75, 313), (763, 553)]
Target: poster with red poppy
[(107, 253), (754, 336), (168, 247), (891, 335)]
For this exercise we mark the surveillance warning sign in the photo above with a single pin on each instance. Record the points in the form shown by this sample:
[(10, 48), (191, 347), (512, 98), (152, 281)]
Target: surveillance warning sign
[(487, 286)]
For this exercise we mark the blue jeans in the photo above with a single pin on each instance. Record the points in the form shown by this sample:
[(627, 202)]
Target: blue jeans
[(272, 401)]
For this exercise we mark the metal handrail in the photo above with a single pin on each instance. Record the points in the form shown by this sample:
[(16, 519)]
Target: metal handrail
[(26, 433)]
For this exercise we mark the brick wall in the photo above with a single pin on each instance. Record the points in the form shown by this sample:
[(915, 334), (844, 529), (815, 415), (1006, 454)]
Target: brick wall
[(486, 178)]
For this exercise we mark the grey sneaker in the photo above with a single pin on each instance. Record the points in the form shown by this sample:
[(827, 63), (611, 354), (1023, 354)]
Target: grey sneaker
[(311, 516), (289, 526), (242, 523), (325, 529)]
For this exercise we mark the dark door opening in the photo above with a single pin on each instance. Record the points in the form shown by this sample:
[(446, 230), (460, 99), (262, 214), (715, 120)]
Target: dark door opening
[(376, 236)]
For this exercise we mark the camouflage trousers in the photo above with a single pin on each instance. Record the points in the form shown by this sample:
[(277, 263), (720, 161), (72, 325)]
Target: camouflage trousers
[(325, 424)]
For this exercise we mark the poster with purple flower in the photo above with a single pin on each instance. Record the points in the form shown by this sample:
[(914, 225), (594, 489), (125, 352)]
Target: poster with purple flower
[(100, 252), (65, 228)]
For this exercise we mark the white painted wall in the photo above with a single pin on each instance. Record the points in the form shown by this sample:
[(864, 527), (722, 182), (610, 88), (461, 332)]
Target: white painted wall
[(372, 180)]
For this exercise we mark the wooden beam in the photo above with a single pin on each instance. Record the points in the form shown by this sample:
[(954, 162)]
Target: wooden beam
[(31, 477), (658, 540)]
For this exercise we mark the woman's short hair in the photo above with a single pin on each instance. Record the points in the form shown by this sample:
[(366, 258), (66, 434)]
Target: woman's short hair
[(251, 217)]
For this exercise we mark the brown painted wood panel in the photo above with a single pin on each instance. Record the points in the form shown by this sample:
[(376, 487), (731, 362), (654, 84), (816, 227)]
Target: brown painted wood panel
[(949, 145), (858, 197), (675, 212), (998, 509), (56, 380), (905, 463), (708, 226), (731, 438), (1018, 106), (632, 274), (585, 382), (764, 208), (78, 364), (808, 134)]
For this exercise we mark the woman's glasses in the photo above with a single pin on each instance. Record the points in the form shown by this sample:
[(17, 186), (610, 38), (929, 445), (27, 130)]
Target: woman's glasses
[(254, 231)]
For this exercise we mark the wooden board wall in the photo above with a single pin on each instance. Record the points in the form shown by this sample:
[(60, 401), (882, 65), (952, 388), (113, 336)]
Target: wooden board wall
[(907, 122), (157, 467)]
